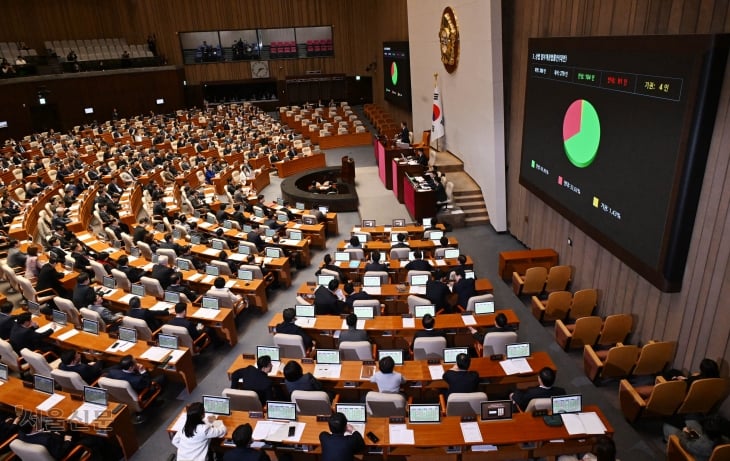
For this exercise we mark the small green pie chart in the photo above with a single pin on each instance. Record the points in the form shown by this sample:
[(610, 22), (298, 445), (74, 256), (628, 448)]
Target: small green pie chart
[(581, 133), (394, 73)]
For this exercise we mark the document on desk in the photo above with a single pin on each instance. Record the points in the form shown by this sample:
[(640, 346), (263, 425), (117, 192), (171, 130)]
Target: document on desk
[(408, 322), (155, 353), (162, 306), (276, 366), (372, 291), (48, 326), (176, 354), (437, 371), (209, 279), (399, 434), (126, 298), (417, 290), (305, 322), (360, 325), (468, 320), (195, 277), (327, 371), (69, 334), (50, 402), (120, 346), (230, 283), (237, 257), (367, 371), (583, 423), (438, 262), (205, 313), (211, 252), (87, 413), (277, 431), (515, 366), (471, 433)]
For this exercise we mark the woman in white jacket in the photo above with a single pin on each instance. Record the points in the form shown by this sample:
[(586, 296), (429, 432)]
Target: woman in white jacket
[(193, 440)]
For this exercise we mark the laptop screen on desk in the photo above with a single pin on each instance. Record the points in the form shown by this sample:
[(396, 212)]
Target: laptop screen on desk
[(59, 318), (342, 256), (518, 350), (128, 334), (368, 223), (217, 405), (90, 326), (183, 264), (272, 252), (295, 235), (135, 252), (155, 258), (420, 311), (363, 312), (450, 353), (426, 222), (210, 302), (247, 228), (227, 224), (371, 281), (95, 395), (496, 410), (245, 274), (354, 412), (172, 297), (324, 279), (43, 384), (567, 404), (469, 274), (451, 253), (328, 356), (363, 238), (34, 308), (270, 232), (424, 413), (299, 206), (399, 223), (484, 307), (137, 289), (109, 282), (394, 236), (324, 209), (217, 244), (309, 221), (195, 240), (395, 354), (271, 351), (304, 310), (281, 410), (419, 280), (435, 235), (167, 341), (212, 270), (3, 372), (244, 249)]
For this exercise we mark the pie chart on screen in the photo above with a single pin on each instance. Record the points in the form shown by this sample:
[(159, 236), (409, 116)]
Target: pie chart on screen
[(581, 133), (394, 73)]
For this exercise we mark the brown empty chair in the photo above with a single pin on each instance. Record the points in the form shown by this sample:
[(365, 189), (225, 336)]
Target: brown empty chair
[(662, 399), (615, 329), (616, 362), (675, 451), (654, 357), (556, 307), (532, 283), (704, 395), (584, 301), (558, 278), (584, 331)]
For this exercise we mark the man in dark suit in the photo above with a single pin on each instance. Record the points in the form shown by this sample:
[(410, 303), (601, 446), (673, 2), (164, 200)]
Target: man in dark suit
[(177, 287), (463, 287), (401, 243), (243, 452), (326, 301), (438, 292), (459, 378), (6, 320), (353, 296), (255, 378), (428, 322), (545, 388), (49, 277), (140, 232), (71, 361), (375, 264), (132, 372), (194, 329), (418, 264), (57, 445), (338, 446), (162, 272), (289, 327), (83, 294), (327, 260), (151, 318), (132, 273), (255, 237), (23, 334)]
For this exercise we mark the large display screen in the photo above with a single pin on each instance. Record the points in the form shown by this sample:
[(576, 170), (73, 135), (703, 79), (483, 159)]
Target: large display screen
[(397, 74), (616, 136)]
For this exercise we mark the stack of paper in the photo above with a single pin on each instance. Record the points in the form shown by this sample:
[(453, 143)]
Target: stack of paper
[(515, 366), (305, 322), (417, 290), (409, 322), (162, 306), (327, 371), (50, 402), (88, 412), (583, 423), (277, 431), (399, 434), (437, 371), (471, 433), (468, 320), (205, 313), (155, 353)]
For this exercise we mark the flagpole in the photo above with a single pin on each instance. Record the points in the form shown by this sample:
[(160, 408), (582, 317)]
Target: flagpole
[(435, 84)]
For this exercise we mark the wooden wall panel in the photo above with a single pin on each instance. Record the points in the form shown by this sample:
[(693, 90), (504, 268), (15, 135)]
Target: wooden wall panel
[(697, 317)]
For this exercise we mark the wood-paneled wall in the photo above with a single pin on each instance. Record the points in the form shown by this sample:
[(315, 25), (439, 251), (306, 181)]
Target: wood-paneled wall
[(697, 317), (359, 28)]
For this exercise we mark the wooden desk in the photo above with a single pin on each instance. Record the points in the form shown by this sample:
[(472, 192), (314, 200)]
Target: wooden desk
[(401, 168), (521, 260), (384, 155), (417, 371), (254, 290), (116, 426), (260, 181), (482, 286), (181, 370), (419, 203), (289, 167), (314, 232), (426, 246), (396, 268), (345, 140)]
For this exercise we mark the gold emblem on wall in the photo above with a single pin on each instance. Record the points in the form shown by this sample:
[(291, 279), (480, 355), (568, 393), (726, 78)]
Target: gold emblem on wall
[(449, 40)]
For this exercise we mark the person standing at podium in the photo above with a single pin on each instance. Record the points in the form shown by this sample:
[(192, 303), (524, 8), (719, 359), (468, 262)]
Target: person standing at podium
[(404, 135)]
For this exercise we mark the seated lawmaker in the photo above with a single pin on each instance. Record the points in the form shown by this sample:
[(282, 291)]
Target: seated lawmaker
[(459, 378), (255, 378), (544, 389), (289, 327)]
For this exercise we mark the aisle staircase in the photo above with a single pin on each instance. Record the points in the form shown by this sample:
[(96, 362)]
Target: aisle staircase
[(467, 193)]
